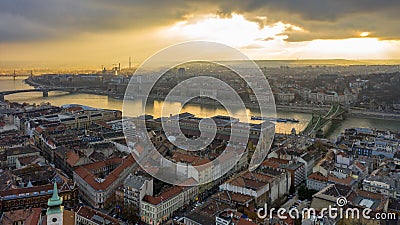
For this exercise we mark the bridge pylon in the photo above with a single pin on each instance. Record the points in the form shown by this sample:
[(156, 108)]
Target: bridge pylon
[(318, 122)]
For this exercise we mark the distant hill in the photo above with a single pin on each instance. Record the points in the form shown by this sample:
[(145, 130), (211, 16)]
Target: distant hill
[(326, 62), (321, 62), (8, 67)]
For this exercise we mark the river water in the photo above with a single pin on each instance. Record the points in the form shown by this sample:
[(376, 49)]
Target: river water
[(99, 101)]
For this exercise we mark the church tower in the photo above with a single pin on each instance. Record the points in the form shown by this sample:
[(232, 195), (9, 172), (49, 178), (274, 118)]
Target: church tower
[(55, 210)]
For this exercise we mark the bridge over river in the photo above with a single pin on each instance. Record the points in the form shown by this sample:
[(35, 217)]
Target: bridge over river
[(318, 122), (45, 91)]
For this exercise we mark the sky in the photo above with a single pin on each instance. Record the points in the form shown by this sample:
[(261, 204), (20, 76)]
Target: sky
[(91, 33)]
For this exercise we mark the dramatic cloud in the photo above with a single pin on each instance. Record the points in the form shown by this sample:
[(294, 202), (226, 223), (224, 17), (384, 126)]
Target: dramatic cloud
[(93, 32), (330, 19), (23, 20)]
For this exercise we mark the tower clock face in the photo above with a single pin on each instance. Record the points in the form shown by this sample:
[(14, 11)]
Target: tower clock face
[(54, 220)]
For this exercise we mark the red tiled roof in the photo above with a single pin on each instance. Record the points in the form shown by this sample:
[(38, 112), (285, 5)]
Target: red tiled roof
[(163, 196), (74, 108), (72, 158), (359, 165), (90, 214), (28, 216), (272, 164), (149, 168), (247, 183), (336, 180), (179, 157), (202, 161), (376, 197), (25, 190), (85, 172), (367, 194), (139, 149), (243, 221), (101, 164), (191, 159), (318, 176), (225, 156), (39, 129), (188, 182), (235, 197), (27, 159), (277, 160), (257, 176)]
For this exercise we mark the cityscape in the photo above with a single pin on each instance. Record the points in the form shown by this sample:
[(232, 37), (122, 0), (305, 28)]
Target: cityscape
[(199, 113)]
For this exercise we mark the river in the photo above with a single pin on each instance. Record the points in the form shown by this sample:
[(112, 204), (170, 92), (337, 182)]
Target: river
[(100, 101)]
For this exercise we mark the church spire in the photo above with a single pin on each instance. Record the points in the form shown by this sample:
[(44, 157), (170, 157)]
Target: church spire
[(54, 203)]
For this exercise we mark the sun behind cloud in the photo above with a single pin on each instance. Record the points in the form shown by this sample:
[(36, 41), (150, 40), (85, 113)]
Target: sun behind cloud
[(235, 31), (364, 34), (270, 41)]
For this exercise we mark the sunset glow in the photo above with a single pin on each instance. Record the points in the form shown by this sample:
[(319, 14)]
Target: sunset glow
[(364, 34), (269, 42), (86, 38)]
